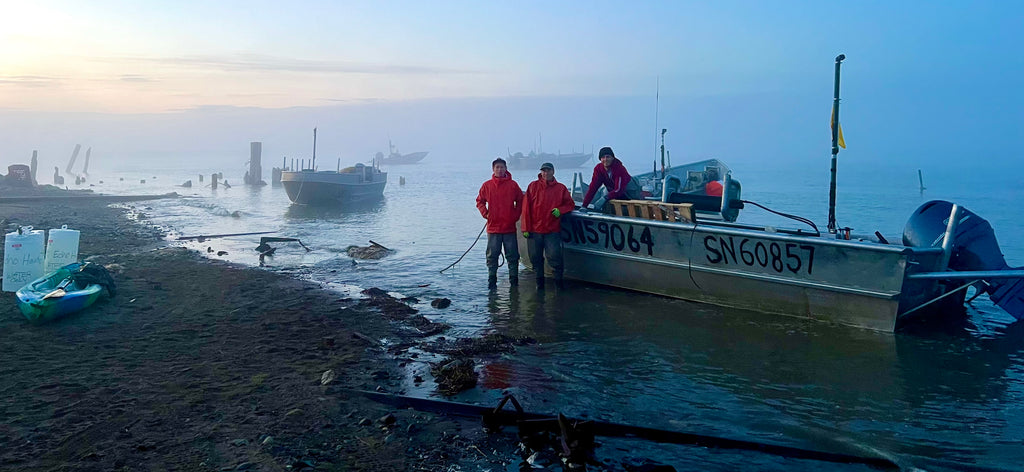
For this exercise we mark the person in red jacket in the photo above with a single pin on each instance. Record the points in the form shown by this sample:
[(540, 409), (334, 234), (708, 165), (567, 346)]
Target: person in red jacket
[(545, 202), (500, 202), (713, 188), (613, 175)]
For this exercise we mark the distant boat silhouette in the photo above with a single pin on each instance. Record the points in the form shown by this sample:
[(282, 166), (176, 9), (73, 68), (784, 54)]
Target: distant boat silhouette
[(396, 158)]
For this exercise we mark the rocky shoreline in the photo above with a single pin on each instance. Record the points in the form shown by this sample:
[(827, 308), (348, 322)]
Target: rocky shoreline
[(197, 364)]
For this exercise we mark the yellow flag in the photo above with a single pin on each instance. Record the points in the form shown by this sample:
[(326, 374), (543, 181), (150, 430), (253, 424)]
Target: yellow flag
[(831, 123)]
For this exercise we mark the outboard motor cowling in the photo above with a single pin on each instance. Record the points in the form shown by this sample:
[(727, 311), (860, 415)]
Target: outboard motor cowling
[(974, 248)]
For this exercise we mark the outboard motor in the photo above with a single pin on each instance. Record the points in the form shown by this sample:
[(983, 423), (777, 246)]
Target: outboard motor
[(974, 248), (732, 202)]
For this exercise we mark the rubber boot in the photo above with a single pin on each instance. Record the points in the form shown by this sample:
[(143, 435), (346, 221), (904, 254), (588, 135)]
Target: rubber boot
[(492, 277), (513, 274), (540, 282)]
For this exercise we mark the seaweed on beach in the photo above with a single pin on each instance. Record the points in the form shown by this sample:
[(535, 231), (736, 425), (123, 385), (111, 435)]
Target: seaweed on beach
[(390, 306), (454, 375), (493, 343)]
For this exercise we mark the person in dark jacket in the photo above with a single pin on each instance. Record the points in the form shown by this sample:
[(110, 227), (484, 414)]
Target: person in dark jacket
[(612, 175), (545, 202), (500, 202)]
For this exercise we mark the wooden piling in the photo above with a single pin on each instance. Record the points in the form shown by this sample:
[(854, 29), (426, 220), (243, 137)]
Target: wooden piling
[(256, 163)]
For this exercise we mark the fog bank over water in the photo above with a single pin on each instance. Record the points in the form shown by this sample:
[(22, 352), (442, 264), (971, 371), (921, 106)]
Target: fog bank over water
[(905, 130)]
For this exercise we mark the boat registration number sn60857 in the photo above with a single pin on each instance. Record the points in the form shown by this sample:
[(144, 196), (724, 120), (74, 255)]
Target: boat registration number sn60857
[(777, 256), (620, 237)]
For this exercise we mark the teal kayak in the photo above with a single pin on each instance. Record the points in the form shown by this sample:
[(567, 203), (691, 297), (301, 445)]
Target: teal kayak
[(64, 291)]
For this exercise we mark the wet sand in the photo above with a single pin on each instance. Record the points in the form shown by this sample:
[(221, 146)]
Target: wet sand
[(197, 364)]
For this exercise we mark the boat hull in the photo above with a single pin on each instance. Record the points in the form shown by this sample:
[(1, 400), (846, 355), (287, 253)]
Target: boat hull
[(78, 296), (327, 188), (851, 283)]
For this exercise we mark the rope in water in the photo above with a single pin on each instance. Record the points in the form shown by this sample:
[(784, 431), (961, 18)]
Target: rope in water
[(467, 250)]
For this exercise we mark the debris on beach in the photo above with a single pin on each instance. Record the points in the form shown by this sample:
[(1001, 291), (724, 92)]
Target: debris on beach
[(373, 251), (493, 343), (390, 306), (264, 247), (203, 237), (425, 327), (454, 375), (395, 309)]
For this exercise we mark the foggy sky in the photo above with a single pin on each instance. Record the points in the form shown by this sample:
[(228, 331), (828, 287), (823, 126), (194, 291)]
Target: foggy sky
[(924, 84)]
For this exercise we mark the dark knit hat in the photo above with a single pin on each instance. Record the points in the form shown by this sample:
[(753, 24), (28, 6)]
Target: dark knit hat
[(547, 165), (606, 151)]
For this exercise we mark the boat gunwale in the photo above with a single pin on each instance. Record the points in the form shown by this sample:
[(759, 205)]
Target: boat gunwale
[(748, 230)]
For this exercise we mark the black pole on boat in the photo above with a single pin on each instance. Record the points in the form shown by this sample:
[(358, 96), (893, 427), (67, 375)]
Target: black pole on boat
[(312, 164), (835, 151), (663, 131)]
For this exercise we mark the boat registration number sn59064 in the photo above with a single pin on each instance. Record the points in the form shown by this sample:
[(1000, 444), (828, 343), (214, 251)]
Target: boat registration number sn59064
[(620, 237), (777, 256)]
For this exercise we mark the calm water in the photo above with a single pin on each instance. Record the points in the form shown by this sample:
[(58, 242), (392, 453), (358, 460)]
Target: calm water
[(625, 357)]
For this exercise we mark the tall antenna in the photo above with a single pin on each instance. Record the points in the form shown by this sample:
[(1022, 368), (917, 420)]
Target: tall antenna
[(657, 100)]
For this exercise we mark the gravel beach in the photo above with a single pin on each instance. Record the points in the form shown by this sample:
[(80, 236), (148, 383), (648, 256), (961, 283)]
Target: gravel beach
[(197, 364)]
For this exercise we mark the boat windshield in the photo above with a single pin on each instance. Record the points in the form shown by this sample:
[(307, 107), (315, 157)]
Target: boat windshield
[(683, 178)]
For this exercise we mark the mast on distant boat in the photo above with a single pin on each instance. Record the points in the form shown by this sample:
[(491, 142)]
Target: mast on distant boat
[(313, 165), (835, 151), (657, 102), (663, 131), (920, 180)]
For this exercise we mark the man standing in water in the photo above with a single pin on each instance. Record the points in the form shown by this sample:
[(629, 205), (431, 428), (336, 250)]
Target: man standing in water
[(500, 202), (613, 175), (545, 203)]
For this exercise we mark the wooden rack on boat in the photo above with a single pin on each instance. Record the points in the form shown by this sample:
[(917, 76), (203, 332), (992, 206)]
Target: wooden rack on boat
[(653, 210)]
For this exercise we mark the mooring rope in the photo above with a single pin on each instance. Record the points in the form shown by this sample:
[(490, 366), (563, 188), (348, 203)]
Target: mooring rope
[(467, 250)]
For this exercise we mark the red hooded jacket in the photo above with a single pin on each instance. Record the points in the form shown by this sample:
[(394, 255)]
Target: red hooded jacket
[(616, 183), (500, 201), (542, 197)]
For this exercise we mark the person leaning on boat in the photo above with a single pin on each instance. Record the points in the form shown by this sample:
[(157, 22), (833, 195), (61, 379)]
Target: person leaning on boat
[(500, 202), (612, 175), (714, 186), (545, 202)]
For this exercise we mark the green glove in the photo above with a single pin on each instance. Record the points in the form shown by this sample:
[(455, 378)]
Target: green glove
[(556, 213), (526, 234)]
